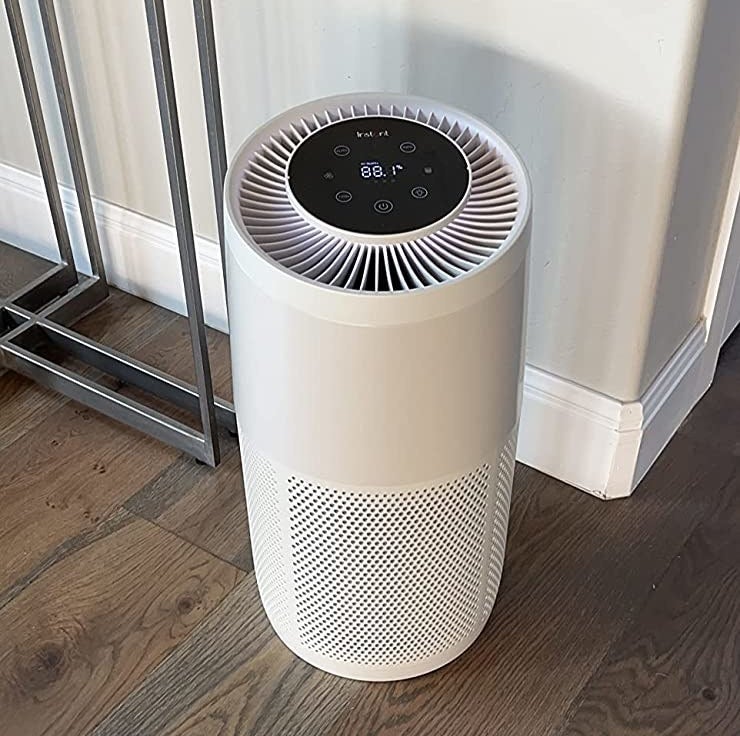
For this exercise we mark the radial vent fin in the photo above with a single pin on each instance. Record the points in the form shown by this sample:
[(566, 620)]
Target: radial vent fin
[(471, 238)]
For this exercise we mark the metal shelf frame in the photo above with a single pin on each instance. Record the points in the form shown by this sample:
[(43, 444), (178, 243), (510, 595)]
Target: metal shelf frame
[(43, 311)]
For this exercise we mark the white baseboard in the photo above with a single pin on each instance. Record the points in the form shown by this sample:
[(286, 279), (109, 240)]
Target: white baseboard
[(597, 443), (570, 432), (671, 396), (140, 253), (589, 440)]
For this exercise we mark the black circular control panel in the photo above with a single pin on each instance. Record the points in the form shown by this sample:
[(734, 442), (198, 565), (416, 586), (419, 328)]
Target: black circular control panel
[(378, 175)]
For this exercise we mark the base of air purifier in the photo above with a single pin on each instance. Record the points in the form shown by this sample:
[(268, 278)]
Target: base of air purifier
[(380, 674)]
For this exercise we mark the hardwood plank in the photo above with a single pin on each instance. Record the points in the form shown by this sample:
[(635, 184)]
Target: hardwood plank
[(203, 505), (23, 405), (122, 322), (575, 573), (18, 268), (200, 504), (69, 546), (68, 475), (172, 353), (70, 445), (137, 328), (206, 506), (676, 671), (585, 585), (231, 677), (729, 356), (715, 420), (88, 630), (125, 322)]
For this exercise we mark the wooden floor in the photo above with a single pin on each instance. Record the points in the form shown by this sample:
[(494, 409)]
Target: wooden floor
[(128, 604)]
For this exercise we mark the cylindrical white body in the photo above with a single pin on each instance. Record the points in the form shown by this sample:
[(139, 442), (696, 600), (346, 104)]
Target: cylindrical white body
[(378, 435)]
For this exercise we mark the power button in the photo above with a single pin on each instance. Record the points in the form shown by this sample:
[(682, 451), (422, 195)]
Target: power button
[(383, 206)]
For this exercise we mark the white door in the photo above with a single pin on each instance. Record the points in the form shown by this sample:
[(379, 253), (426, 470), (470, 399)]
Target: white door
[(722, 305), (733, 316)]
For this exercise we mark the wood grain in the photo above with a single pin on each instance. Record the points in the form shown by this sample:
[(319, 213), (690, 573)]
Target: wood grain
[(66, 547), (676, 671), (122, 322), (613, 618), (574, 572), (70, 474), (715, 421), (172, 353), (52, 486), (88, 630), (206, 506), (17, 268), (232, 677)]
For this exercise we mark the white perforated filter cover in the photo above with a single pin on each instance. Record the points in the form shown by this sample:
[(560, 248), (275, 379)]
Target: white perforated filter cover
[(379, 585), (377, 413)]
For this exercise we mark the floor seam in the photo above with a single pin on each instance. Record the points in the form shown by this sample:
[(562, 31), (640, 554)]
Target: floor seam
[(619, 634), (176, 648), (188, 541)]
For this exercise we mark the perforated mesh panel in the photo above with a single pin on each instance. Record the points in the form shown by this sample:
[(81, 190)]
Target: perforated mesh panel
[(504, 478), (266, 535), (389, 577)]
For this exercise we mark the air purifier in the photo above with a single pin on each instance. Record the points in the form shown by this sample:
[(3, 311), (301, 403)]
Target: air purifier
[(377, 275)]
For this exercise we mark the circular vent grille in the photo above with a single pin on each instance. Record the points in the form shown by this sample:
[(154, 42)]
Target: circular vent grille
[(472, 237)]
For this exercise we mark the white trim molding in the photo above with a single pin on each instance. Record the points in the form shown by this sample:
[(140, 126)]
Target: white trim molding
[(140, 252), (600, 444), (589, 440)]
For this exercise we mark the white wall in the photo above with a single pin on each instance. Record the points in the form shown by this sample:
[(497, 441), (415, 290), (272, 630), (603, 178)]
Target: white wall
[(709, 142), (109, 62), (593, 93)]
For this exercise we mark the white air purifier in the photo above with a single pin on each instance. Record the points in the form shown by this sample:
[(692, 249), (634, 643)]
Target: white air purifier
[(377, 276)]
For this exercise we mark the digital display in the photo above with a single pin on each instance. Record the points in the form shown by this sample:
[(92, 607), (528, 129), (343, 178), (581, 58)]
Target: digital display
[(377, 170), (378, 175)]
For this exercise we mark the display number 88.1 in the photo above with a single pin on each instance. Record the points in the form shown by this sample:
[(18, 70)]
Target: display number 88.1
[(371, 171)]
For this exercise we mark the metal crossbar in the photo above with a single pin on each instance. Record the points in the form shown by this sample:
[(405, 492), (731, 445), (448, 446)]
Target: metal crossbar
[(41, 312)]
